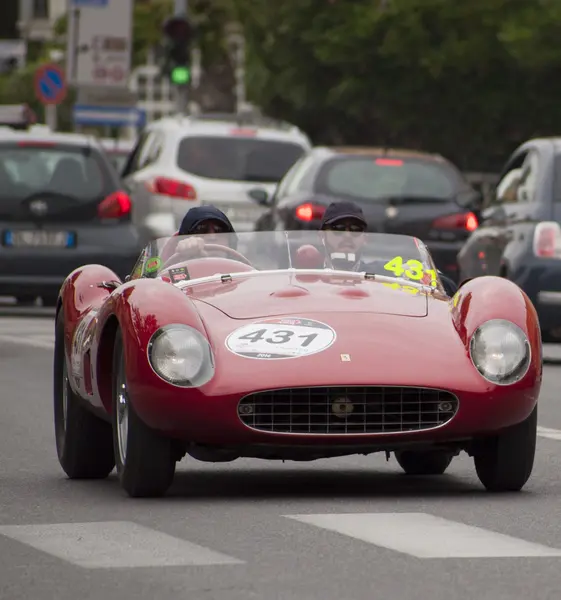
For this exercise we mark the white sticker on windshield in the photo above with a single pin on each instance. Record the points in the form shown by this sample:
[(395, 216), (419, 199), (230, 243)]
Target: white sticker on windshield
[(281, 338)]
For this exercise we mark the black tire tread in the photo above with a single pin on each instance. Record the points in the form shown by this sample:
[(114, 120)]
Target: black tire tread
[(150, 463), (87, 449)]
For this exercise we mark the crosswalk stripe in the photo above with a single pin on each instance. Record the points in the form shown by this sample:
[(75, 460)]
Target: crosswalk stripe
[(426, 536), (114, 544), (28, 341)]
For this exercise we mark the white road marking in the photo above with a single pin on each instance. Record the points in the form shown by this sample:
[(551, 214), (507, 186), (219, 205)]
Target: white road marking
[(114, 544), (552, 434), (426, 536), (38, 342)]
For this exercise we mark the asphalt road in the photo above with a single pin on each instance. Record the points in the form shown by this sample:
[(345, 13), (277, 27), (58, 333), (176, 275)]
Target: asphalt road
[(346, 529)]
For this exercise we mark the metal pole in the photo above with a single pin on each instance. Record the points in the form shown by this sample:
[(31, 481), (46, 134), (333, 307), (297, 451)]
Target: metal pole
[(240, 74), (51, 116), (182, 91)]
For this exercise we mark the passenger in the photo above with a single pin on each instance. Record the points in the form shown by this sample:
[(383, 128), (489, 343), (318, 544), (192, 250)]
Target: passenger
[(344, 226)]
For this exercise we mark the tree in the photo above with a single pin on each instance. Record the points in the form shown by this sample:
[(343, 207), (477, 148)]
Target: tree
[(468, 79)]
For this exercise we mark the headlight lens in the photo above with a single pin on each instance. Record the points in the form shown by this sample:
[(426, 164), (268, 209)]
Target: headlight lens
[(500, 351), (181, 356)]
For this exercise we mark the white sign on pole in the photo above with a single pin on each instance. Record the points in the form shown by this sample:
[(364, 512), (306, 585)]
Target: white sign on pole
[(99, 42)]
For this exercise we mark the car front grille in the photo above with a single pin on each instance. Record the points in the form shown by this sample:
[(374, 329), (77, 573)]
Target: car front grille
[(347, 410)]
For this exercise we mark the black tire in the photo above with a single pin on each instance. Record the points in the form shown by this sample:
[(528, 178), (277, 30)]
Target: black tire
[(83, 441), (148, 467), (432, 462), (504, 462)]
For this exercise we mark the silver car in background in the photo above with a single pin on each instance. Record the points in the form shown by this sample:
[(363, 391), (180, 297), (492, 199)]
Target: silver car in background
[(221, 159)]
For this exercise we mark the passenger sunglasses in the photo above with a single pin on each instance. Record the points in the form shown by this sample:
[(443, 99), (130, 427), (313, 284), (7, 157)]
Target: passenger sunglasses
[(340, 227)]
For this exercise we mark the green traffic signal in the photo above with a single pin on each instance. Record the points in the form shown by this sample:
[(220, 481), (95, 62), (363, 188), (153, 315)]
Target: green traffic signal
[(180, 75)]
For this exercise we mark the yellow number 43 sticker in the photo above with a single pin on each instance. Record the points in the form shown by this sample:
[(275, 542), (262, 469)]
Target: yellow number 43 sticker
[(412, 269)]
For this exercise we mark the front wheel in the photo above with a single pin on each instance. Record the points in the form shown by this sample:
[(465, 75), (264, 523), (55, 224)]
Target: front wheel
[(432, 462), (144, 458), (504, 462)]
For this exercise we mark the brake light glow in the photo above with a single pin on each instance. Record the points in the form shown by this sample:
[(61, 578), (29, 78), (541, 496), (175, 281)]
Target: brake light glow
[(244, 131), (547, 240), (115, 206), (466, 221), (389, 162), (309, 212), (171, 187)]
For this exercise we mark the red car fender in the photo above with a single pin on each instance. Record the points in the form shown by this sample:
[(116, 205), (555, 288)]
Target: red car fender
[(138, 309), (484, 298), (79, 293)]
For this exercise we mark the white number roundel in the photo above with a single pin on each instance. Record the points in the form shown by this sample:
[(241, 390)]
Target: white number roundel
[(281, 338)]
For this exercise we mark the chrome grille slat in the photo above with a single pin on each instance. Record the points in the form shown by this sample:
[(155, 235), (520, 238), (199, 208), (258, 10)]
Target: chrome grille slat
[(373, 409)]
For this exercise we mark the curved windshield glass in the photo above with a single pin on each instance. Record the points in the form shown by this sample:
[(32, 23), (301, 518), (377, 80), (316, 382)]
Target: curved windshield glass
[(182, 258)]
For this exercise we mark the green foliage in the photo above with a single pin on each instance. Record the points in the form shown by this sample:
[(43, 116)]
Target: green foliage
[(468, 79)]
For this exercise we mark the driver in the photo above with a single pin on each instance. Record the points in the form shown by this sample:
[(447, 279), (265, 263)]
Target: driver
[(207, 221)]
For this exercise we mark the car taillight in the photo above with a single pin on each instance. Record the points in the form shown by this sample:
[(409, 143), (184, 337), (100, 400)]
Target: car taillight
[(309, 212), (115, 206), (547, 240), (466, 221), (171, 187)]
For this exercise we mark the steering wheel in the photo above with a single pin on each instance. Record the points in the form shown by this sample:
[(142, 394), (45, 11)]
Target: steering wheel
[(172, 260)]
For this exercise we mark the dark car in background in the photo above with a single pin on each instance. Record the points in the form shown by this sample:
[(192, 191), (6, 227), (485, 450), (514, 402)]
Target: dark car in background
[(61, 206), (400, 191), (519, 236)]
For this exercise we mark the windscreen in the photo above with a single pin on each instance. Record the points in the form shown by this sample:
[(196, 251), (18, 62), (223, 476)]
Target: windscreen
[(29, 168), (367, 178), (393, 256), (237, 158)]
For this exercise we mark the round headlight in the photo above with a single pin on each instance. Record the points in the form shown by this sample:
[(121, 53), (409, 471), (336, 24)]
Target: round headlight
[(180, 355), (500, 351)]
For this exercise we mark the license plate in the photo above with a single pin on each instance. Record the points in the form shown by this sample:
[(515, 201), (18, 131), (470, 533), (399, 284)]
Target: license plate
[(33, 239), (240, 214)]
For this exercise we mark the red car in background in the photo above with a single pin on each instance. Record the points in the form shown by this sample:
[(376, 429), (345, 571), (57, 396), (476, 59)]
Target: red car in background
[(216, 351)]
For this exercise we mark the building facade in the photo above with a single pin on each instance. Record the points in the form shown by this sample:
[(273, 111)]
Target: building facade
[(37, 18)]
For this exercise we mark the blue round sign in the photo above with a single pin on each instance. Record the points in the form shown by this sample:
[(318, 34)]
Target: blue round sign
[(50, 84)]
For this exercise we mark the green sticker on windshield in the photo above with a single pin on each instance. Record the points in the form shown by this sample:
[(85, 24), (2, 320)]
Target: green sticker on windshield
[(153, 265)]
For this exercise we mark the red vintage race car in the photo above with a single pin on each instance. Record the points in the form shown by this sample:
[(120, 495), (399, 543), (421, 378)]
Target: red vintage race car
[(272, 345)]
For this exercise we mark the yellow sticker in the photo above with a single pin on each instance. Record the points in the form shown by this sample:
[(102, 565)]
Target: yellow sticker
[(411, 269), (405, 288)]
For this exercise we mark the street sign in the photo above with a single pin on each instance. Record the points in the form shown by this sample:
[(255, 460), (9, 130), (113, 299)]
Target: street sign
[(112, 97), (110, 116), (99, 43), (50, 84)]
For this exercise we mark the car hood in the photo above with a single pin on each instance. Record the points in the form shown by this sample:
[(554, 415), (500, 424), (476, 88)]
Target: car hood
[(282, 294)]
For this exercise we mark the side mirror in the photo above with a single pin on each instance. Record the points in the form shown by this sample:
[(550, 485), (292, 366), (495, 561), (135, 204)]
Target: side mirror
[(260, 196)]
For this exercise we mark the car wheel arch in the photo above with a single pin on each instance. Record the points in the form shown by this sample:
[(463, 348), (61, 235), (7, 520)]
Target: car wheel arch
[(104, 363)]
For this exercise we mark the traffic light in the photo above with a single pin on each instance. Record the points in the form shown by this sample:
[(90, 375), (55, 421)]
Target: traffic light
[(178, 37)]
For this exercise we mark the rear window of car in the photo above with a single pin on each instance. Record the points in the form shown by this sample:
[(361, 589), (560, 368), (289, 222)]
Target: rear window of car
[(376, 178), (237, 158), (28, 168)]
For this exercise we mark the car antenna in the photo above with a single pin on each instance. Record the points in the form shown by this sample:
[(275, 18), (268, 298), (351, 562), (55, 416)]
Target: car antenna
[(288, 250)]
